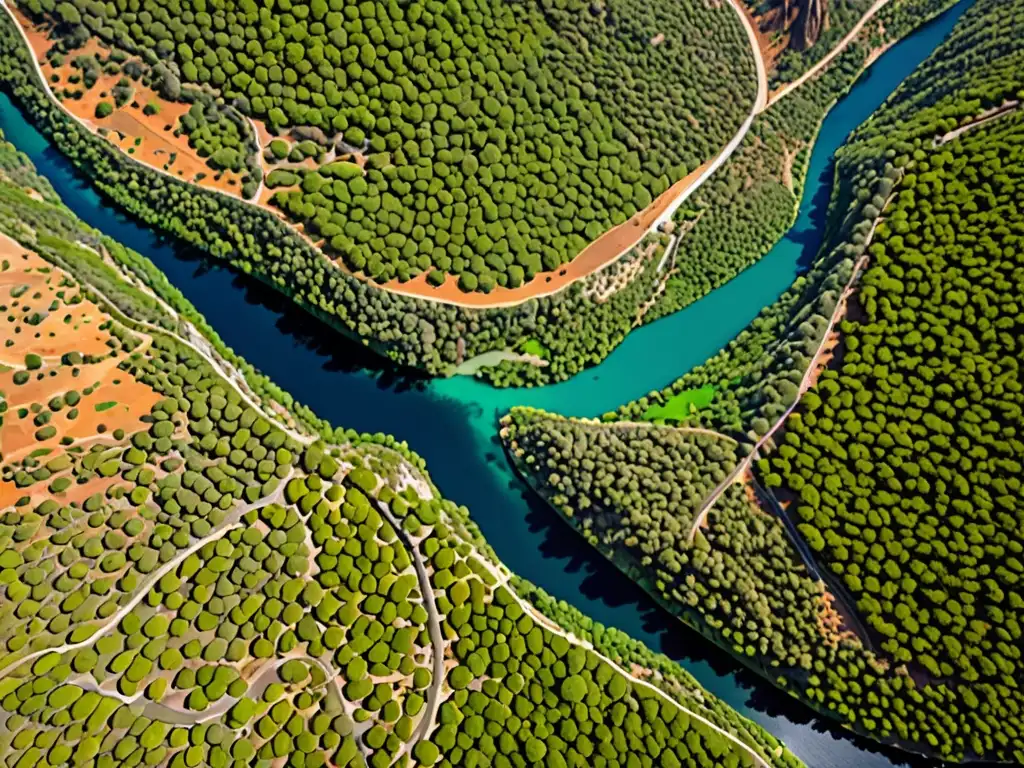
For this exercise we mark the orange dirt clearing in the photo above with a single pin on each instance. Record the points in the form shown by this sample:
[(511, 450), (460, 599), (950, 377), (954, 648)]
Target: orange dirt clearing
[(132, 400), (828, 350), (128, 123), (65, 327), (606, 249), (158, 142), (122, 400), (38, 493)]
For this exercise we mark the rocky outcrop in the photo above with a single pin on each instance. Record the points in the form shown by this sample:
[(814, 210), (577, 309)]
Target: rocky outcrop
[(811, 21)]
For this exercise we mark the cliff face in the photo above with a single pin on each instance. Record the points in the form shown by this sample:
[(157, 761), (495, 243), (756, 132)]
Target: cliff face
[(811, 20)]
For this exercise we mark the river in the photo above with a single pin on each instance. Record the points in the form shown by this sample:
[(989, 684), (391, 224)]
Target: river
[(452, 422)]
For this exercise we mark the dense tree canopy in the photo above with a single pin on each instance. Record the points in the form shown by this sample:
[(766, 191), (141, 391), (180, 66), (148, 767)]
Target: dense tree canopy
[(235, 582), (499, 137), (888, 496)]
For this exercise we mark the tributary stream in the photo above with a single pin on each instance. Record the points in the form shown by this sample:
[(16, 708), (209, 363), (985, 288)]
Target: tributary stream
[(452, 423)]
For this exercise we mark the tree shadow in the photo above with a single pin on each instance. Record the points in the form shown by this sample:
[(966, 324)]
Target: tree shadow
[(602, 582), (809, 239)]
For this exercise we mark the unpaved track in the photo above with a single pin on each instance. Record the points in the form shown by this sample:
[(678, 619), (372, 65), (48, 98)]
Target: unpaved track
[(426, 724), (536, 288), (502, 577), (827, 59), (983, 119), (229, 524), (805, 384)]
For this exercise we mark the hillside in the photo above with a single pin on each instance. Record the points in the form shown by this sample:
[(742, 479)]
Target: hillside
[(833, 496), (488, 143), (195, 574)]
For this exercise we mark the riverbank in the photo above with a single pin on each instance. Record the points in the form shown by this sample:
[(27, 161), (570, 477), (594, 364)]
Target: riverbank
[(607, 249), (451, 422), (394, 470)]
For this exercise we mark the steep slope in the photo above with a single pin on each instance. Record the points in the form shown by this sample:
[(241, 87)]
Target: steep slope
[(860, 543)]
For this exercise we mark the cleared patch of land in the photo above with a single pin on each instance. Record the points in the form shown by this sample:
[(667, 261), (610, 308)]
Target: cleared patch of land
[(62, 385), (41, 311), (149, 138)]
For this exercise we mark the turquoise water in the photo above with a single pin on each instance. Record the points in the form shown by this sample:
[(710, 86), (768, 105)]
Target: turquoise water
[(451, 423)]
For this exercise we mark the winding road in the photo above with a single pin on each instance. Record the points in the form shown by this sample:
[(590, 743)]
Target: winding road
[(760, 101), (231, 522), (760, 104), (745, 464), (805, 381), (501, 298), (427, 722), (827, 58)]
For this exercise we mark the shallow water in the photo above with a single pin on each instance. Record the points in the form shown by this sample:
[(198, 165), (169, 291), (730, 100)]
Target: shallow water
[(452, 422)]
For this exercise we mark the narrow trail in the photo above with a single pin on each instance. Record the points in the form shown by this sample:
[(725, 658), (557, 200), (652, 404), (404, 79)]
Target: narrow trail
[(625, 424), (744, 465), (229, 524), (530, 290), (427, 722), (503, 577), (690, 430), (805, 384), (202, 347), (827, 59), (259, 159), (985, 117), (838, 591)]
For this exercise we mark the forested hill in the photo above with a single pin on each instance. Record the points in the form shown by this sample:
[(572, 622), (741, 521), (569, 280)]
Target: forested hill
[(486, 141), (835, 496), (194, 574)]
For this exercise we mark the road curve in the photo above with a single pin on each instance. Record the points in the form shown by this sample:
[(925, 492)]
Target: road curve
[(827, 59), (229, 524), (759, 103), (115, 618), (744, 465), (805, 383), (426, 723)]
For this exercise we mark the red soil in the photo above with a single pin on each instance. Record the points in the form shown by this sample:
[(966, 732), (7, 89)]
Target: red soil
[(66, 327), (600, 253), (128, 123), (109, 384)]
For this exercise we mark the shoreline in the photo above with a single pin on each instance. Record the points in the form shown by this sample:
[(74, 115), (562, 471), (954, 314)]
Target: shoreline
[(624, 564), (543, 284)]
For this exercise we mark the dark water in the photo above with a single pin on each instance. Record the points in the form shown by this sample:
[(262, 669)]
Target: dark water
[(451, 423)]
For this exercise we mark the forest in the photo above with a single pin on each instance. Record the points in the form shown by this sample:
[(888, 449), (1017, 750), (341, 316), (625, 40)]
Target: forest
[(732, 221), (494, 139), (860, 543), (722, 230), (222, 579)]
